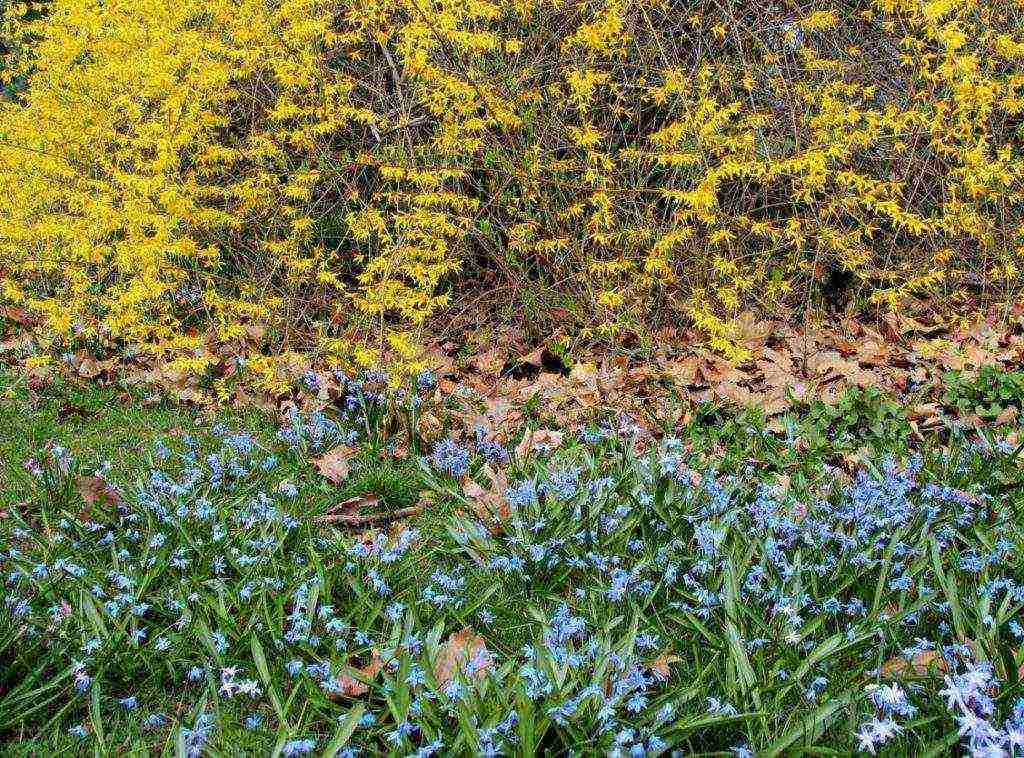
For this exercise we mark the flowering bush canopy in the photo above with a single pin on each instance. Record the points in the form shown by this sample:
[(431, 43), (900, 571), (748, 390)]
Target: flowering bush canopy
[(331, 168)]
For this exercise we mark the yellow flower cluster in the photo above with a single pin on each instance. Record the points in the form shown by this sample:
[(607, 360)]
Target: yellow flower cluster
[(330, 169)]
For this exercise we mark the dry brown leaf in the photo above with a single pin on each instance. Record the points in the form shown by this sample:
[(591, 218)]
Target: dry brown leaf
[(349, 686), (587, 387), (462, 649), (660, 665), (1008, 415), (926, 414), (829, 361), (873, 353), (777, 374), (96, 489), (88, 367), (534, 358), (683, 372), (862, 377), (534, 439), (925, 663), (354, 509), (334, 464), (752, 330), (490, 504), (489, 363), (735, 392), (21, 317)]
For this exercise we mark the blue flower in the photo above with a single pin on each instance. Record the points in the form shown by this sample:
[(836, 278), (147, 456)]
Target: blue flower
[(426, 380), (450, 458)]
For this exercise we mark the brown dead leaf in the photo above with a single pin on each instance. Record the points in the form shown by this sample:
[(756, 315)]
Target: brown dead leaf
[(349, 686), (535, 438), (829, 362), (88, 367), (862, 377), (683, 373), (660, 665), (1008, 415), (588, 389), (352, 510), (21, 317), (463, 649), (96, 490), (490, 363), (873, 353), (925, 663), (490, 504), (534, 358), (736, 393), (334, 464), (751, 330), (777, 373), (255, 332), (926, 414)]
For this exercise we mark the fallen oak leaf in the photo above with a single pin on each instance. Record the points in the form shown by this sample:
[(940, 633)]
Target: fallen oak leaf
[(927, 414), (1008, 415), (352, 509), (464, 650), (334, 464), (534, 439), (660, 665), (925, 663), (96, 490), (350, 686), (490, 505)]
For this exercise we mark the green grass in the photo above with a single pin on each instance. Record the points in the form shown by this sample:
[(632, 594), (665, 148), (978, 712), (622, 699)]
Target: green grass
[(773, 574), (95, 424)]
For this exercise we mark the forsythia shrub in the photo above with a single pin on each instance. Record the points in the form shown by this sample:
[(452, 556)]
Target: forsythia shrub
[(330, 168)]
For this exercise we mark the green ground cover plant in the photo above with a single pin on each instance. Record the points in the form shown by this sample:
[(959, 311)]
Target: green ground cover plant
[(182, 583)]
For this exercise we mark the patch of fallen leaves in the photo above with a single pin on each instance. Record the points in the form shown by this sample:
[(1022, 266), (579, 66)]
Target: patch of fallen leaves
[(905, 352), (96, 491), (786, 363)]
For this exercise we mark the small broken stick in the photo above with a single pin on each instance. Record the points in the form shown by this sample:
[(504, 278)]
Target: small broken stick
[(361, 519)]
